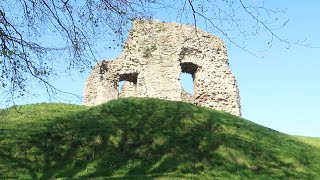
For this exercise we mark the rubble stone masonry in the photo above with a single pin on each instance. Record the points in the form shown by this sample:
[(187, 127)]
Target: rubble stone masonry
[(152, 60)]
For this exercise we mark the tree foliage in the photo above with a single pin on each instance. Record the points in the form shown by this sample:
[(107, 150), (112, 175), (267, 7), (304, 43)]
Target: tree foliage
[(35, 33)]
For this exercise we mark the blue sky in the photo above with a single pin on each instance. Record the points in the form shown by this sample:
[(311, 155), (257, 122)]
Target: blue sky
[(280, 91)]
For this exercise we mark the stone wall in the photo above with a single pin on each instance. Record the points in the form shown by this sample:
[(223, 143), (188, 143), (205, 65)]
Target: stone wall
[(152, 60)]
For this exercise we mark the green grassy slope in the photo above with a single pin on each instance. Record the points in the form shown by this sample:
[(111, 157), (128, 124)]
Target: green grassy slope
[(314, 141), (144, 139)]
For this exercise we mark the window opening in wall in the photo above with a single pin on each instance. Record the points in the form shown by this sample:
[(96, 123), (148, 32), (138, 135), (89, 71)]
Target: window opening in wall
[(124, 79), (188, 71), (120, 86), (186, 81)]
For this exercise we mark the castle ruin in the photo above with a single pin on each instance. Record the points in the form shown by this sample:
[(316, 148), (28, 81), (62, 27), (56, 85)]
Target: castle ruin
[(152, 60)]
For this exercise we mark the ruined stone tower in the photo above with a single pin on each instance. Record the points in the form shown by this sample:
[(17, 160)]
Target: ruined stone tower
[(152, 60)]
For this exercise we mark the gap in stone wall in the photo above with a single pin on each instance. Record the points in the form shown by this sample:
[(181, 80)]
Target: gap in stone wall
[(186, 80), (120, 86), (188, 71), (123, 79)]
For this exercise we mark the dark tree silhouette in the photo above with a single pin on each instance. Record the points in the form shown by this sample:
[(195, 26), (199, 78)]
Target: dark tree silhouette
[(34, 33)]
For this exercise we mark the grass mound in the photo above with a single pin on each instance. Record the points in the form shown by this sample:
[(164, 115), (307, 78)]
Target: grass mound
[(138, 138)]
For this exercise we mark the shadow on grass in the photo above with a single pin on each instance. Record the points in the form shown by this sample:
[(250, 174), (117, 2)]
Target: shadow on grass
[(145, 139)]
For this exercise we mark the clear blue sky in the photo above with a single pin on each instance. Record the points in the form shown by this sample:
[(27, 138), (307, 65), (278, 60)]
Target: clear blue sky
[(280, 91)]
